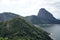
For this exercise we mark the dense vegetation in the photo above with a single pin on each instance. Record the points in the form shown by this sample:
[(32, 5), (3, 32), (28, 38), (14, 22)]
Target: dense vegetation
[(19, 29)]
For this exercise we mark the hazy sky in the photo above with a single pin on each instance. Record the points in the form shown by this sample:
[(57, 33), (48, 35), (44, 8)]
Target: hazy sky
[(30, 7)]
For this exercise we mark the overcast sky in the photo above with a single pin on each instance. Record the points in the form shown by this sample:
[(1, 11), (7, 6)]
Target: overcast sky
[(30, 7)]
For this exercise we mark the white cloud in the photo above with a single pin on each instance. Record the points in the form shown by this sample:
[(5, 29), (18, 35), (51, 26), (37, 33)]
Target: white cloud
[(29, 7)]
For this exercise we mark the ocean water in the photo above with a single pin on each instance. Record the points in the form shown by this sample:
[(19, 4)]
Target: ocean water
[(54, 31)]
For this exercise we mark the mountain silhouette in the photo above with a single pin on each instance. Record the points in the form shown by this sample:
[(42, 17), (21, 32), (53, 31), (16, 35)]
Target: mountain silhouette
[(43, 17), (6, 16), (43, 13)]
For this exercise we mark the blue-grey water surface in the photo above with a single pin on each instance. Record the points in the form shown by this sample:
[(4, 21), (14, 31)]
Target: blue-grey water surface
[(54, 30)]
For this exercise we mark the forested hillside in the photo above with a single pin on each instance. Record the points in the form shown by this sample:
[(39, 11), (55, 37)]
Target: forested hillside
[(18, 29)]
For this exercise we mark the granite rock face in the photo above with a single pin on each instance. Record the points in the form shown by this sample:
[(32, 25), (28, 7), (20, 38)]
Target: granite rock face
[(44, 14), (43, 17)]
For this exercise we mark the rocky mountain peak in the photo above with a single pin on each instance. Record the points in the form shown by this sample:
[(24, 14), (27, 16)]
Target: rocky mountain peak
[(43, 13)]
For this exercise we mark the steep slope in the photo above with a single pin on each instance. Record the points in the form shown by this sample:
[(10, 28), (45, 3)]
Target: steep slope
[(47, 16), (43, 17), (19, 29), (44, 13)]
